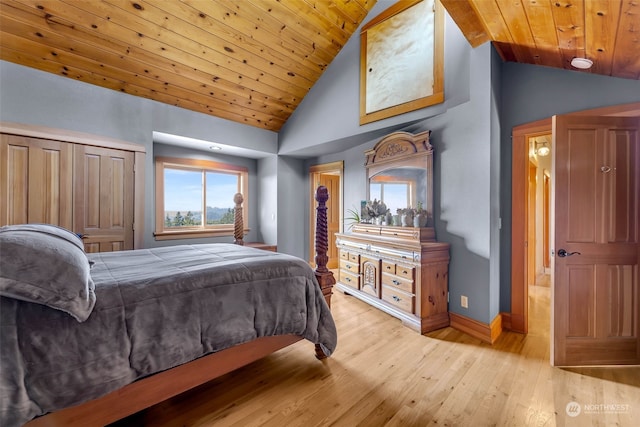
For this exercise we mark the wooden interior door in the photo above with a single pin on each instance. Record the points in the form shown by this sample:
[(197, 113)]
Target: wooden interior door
[(103, 198), (597, 219), (332, 182), (35, 181)]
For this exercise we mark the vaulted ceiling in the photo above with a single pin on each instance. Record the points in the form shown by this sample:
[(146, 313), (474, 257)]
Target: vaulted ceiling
[(253, 61), (249, 61)]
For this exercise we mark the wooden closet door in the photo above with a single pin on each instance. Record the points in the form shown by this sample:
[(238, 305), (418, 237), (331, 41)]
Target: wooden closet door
[(103, 202), (596, 295), (35, 181)]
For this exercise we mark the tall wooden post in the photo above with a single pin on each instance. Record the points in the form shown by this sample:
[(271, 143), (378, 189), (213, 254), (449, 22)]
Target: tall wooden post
[(238, 223), (323, 274)]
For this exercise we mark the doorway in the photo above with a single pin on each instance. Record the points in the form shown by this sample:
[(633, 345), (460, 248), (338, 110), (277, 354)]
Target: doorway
[(521, 199), (538, 211), (329, 175)]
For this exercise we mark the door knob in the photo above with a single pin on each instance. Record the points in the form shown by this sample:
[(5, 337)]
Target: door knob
[(562, 253)]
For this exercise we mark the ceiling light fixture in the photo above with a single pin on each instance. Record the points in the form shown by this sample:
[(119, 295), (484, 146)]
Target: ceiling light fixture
[(215, 147), (543, 150), (581, 63)]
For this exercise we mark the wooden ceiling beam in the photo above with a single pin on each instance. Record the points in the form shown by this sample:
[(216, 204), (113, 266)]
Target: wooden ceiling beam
[(466, 18)]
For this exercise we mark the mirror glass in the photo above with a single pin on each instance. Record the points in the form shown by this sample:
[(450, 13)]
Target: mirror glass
[(400, 188)]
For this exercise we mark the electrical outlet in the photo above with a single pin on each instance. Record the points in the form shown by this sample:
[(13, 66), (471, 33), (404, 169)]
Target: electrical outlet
[(464, 301)]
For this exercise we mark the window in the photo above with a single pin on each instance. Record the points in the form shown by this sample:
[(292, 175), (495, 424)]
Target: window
[(194, 198), (393, 194)]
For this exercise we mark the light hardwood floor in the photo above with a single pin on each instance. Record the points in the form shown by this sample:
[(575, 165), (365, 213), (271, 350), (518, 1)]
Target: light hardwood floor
[(383, 374)]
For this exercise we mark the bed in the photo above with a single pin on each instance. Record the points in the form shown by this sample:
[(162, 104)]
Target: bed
[(98, 337)]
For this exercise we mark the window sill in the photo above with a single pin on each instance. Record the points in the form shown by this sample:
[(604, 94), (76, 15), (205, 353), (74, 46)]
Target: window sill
[(195, 234)]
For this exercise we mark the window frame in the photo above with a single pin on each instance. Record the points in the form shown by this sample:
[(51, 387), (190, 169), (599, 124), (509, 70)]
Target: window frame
[(204, 230)]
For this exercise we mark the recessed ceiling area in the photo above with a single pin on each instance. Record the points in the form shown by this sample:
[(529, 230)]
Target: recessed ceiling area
[(202, 145)]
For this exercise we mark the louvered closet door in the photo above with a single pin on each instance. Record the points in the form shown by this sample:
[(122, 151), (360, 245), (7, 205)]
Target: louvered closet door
[(103, 202), (35, 181), (597, 222)]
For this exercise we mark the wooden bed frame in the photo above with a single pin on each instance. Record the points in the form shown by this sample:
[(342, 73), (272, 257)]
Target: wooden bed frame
[(156, 388)]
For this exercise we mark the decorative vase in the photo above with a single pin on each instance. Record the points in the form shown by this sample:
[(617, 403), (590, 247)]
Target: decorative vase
[(407, 220), (389, 218), (420, 220)]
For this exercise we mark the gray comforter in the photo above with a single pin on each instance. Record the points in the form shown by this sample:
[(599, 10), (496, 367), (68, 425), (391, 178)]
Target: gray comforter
[(155, 309)]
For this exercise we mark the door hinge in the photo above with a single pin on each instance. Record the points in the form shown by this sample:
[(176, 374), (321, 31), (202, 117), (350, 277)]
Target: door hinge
[(133, 226)]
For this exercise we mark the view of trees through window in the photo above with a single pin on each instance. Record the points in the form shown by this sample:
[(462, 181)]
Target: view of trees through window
[(192, 197)]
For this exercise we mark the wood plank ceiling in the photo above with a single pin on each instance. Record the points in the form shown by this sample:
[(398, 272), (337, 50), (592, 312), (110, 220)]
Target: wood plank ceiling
[(253, 61), (553, 32), (249, 61)]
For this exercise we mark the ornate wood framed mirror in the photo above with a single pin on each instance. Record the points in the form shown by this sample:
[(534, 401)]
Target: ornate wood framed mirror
[(400, 172)]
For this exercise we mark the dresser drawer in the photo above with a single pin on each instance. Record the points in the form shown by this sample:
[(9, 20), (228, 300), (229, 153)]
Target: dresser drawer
[(349, 279), (405, 271), (396, 282), (398, 298), (354, 257), (388, 267), (344, 255), (351, 267), (366, 229), (408, 233)]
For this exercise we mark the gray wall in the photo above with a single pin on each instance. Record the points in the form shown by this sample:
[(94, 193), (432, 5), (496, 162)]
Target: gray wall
[(293, 199), (34, 97), (466, 189), (267, 208)]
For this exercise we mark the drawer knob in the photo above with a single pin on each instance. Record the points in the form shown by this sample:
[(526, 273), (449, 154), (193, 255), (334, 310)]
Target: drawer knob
[(348, 279), (349, 267), (404, 272), (396, 298), (395, 282)]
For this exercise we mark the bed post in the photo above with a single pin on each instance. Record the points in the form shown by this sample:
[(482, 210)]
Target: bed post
[(323, 274), (238, 223)]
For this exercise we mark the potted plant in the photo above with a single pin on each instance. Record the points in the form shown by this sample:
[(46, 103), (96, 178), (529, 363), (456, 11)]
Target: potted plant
[(420, 216), (406, 217), (353, 218), (375, 210)]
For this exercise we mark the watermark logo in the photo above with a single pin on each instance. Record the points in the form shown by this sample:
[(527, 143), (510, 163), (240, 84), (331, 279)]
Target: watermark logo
[(573, 409)]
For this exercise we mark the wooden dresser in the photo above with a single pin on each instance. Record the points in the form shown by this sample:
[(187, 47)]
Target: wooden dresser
[(402, 271)]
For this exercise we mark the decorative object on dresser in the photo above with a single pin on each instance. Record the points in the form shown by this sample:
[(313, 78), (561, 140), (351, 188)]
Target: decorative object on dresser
[(401, 270)]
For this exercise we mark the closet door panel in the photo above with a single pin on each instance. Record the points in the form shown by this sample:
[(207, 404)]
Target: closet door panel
[(36, 181), (104, 198)]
